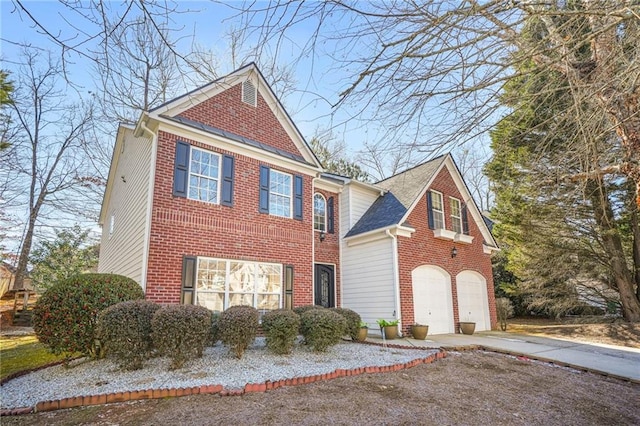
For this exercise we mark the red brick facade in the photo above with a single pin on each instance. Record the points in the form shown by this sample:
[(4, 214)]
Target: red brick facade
[(227, 111), (423, 249), (181, 226)]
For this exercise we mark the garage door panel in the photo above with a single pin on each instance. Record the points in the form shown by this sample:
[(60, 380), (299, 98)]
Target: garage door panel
[(473, 302), (432, 299)]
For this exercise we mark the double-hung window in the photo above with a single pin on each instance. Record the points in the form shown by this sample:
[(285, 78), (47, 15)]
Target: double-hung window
[(204, 175), (222, 283), (437, 207), (279, 193), (319, 213), (456, 215)]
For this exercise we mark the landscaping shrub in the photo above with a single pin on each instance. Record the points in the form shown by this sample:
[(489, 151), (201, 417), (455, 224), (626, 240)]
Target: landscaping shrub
[(322, 328), (504, 308), (353, 321), (281, 329), (65, 316), (124, 330), (181, 332), (238, 327), (214, 335), (302, 309)]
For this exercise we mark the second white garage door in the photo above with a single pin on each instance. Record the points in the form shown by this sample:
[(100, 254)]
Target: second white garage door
[(432, 301), (473, 302)]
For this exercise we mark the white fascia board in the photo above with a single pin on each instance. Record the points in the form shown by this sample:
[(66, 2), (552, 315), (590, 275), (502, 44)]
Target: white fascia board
[(378, 234), (326, 185), (489, 249), (367, 186), (185, 131)]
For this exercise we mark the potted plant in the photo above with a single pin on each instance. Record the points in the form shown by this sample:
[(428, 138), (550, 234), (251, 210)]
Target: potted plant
[(362, 333), (419, 331), (389, 328), (467, 327)]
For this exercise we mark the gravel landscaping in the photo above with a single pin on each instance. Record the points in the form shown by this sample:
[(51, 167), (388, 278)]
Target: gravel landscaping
[(216, 367)]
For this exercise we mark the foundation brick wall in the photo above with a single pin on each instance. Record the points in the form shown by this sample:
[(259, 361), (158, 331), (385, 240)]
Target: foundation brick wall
[(423, 249)]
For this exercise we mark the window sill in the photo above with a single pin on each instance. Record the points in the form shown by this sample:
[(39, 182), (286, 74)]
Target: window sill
[(463, 238), (444, 234)]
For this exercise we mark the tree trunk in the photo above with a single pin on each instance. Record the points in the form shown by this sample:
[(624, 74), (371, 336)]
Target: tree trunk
[(612, 244), (635, 234), (23, 260)]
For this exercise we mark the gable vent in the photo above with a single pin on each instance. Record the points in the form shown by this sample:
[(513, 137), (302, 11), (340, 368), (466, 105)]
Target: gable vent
[(249, 93)]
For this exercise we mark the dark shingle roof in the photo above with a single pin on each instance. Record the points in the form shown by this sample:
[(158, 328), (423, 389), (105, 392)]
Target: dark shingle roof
[(403, 189), (234, 137)]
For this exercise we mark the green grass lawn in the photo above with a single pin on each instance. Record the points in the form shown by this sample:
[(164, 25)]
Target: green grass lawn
[(18, 353)]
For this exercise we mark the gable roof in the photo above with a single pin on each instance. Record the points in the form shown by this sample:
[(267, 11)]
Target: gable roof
[(402, 190), (172, 109), (406, 189)]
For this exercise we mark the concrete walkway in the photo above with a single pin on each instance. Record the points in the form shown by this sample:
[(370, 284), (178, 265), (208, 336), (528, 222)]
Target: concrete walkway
[(617, 361)]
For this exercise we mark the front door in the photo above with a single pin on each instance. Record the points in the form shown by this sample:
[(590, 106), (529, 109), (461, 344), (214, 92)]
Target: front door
[(324, 287)]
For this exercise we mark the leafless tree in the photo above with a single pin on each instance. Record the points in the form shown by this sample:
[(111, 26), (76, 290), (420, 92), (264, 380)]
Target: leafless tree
[(45, 171), (471, 163)]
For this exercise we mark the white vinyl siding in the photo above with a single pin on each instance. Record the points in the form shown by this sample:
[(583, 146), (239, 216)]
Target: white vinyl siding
[(122, 251), (368, 281)]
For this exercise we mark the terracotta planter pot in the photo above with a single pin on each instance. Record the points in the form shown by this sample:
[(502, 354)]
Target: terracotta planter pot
[(390, 332), (467, 327), (362, 334), (419, 331)]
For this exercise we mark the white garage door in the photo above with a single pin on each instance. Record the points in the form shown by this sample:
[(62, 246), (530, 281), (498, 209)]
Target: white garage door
[(473, 302), (432, 301)]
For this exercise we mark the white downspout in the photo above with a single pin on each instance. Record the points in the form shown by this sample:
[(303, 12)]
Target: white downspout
[(152, 177), (396, 277)]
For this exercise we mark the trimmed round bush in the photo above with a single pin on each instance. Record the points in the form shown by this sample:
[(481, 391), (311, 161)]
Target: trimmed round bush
[(353, 321), (281, 329), (124, 330), (302, 309), (65, 316), (322, 328), (214, 335), (238, 326), (181, 332)]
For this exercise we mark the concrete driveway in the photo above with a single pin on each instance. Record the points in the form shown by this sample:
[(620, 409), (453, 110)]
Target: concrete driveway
[(616, 361)]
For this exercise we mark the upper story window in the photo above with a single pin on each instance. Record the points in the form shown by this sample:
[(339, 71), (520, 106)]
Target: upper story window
[(204, 175), (279, 193), (437, 209), (319, 213), (456, 215)]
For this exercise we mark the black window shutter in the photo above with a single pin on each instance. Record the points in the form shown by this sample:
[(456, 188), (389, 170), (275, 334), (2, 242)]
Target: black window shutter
[(181, 170), (297, 200), (330, 215), (227, 180), (188, 280), (465, 221), (430, 210), (264, 189)]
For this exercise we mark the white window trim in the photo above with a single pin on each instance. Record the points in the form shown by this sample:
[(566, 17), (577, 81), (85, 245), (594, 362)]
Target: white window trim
[(227, 293), (324, 199), (433, 209), (217, 179), (456, 218), (271, 170)]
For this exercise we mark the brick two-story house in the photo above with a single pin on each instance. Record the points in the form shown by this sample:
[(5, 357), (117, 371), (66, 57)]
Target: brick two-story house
[(215, 198)]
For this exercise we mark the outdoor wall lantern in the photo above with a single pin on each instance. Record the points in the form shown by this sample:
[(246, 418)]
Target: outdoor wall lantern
[(322, 236), (454, 252)]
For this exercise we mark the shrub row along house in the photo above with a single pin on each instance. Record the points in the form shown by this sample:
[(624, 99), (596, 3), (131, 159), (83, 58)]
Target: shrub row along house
[(215, 199)]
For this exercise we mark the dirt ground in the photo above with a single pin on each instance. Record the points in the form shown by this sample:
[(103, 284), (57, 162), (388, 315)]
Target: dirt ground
[(469, 388), (589, 329)]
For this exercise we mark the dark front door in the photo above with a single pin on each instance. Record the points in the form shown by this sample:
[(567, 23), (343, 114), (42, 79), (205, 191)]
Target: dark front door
[(324, 289)]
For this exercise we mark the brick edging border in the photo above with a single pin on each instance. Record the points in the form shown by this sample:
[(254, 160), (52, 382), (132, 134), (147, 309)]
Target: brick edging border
[(88, 400)]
